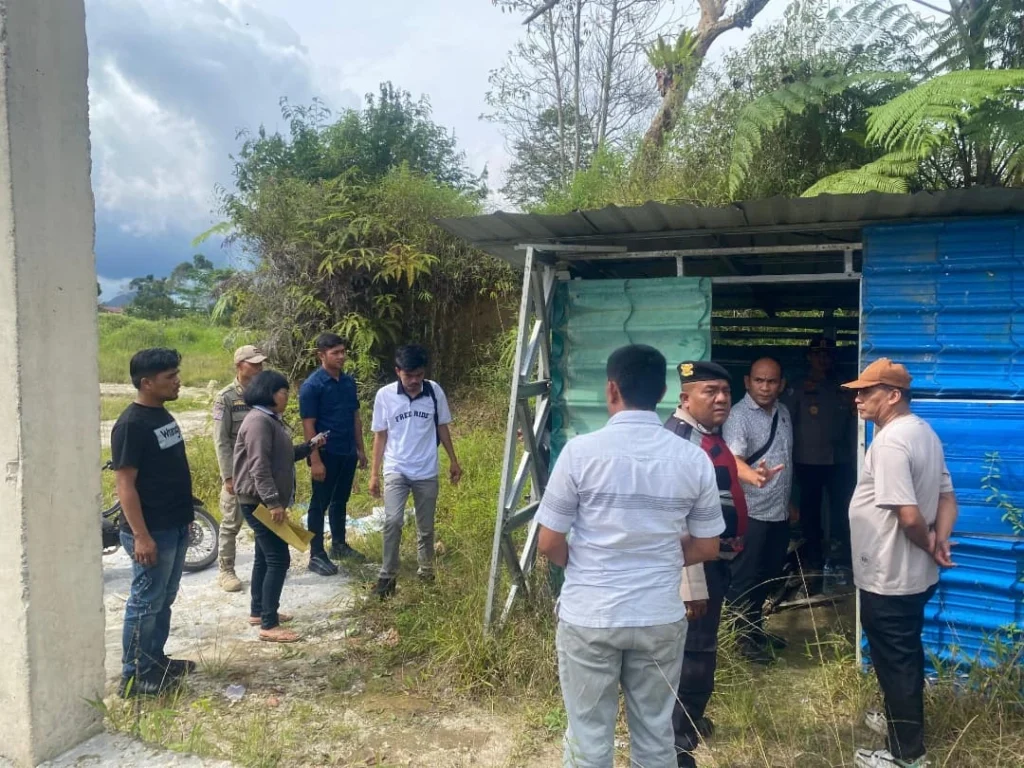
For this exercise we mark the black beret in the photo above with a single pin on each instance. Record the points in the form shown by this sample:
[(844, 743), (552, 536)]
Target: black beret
[(691, 371)]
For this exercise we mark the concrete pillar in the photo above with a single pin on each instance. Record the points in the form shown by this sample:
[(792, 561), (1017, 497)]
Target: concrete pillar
[(51, 585)]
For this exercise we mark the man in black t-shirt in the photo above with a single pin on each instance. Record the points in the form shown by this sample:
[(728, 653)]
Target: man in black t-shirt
[(154, 485)]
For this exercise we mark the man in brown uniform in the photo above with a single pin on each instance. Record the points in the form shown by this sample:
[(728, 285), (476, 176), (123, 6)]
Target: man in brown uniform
[(229, 410)]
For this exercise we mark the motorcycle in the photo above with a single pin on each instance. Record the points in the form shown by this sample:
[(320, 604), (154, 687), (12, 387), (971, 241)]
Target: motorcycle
[(204, 534)]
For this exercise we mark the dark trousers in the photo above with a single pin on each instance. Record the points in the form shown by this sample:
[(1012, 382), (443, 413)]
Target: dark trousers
[(700, 658), (756, 570), (331, 496), (892, 625), (814, 481), (269, 570)]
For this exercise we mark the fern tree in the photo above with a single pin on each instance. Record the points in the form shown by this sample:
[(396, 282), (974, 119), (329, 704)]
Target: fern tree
[(957, 120)]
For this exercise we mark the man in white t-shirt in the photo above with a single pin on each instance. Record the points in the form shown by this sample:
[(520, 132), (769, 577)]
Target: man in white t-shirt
[(901, 517), (410, 419), (639, 504)]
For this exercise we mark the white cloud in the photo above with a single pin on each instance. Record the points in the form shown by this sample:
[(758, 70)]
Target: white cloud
[(152, 164), (171, 84)]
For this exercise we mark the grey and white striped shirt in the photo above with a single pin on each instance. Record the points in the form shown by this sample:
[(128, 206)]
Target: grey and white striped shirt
[(746, 431), (627, 493)]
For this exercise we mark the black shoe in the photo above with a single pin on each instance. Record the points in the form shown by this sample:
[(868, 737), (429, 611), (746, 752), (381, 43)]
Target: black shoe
[(773, 642), (151, 683), (320, 564), (343, 551), (755, 652), (385, 588), (176, 667), (685, 760), (427, 577)]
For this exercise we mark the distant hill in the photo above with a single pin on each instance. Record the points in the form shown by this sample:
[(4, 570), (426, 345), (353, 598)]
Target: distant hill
[(121, 300)]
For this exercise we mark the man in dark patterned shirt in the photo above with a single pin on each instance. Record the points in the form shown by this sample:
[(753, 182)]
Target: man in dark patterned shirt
[(704, 405)]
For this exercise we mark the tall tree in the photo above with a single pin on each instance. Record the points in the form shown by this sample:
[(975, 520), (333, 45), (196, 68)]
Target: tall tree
[(390, 131), (678, 64), (957, 122), (341, 237), (197, 283), (577, 80), (153, 299)]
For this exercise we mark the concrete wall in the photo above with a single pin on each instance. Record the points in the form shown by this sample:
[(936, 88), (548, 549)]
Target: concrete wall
[(51, 601)]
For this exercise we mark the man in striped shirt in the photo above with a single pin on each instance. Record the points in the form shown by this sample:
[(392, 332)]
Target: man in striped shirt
[(639, 504), (704, 405)]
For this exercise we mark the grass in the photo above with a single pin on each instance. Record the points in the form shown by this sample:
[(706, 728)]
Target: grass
[(111, 406), (376, 678), (206, 349)]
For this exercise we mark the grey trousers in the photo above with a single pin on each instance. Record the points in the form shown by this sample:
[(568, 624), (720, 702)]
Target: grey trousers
[(592, 664), (424, 495)]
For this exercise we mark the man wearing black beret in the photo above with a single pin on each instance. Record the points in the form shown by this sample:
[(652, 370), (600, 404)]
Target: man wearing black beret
[(704, 405)]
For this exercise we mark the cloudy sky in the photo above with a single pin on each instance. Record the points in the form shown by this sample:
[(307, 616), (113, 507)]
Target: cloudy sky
[(172, 82)]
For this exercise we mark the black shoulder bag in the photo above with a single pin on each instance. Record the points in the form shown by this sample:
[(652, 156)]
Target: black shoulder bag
[(437, 434), (757, 455)]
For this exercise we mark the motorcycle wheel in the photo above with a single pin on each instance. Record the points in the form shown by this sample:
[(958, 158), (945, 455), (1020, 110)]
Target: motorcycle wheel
[(204, 541)]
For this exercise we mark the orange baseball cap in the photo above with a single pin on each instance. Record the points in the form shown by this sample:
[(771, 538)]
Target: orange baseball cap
[(882, 371)]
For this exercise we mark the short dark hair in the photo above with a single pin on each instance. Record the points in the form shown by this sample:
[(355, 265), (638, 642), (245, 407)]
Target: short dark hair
[(639, 372), (263, 387), (326, 341), (771, 358), (411, 357), (147, 363)]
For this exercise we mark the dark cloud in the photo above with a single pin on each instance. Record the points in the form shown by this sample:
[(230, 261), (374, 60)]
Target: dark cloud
[(172, 82)]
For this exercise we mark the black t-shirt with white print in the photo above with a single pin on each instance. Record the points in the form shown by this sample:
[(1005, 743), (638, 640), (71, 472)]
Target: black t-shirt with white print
[(150, 440)]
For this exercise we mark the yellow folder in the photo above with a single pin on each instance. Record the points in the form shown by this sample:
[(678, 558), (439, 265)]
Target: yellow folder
[(290, 531)]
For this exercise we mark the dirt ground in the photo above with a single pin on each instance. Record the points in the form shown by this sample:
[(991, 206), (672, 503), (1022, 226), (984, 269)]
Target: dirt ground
[(323, 701), (193, 423)]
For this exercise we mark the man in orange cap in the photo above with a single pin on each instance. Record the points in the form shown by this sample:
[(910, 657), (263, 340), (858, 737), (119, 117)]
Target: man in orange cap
[(901, 517)]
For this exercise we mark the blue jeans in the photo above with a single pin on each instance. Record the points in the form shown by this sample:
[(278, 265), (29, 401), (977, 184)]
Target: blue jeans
[(147, 614)]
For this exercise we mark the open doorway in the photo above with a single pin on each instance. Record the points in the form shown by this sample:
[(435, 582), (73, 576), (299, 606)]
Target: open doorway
[(810, 324)]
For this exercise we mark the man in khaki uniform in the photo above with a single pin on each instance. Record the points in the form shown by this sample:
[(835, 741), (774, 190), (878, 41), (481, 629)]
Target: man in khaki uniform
[(229, 410)]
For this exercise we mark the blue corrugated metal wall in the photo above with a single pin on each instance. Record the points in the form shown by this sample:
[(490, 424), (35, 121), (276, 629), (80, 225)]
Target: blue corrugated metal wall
[(593, 318), (947, 300)]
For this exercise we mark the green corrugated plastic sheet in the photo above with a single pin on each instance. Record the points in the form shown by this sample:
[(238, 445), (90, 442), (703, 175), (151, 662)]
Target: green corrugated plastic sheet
[(593, 318)]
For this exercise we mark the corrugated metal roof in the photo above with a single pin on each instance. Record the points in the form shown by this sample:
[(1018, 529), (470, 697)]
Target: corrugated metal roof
[(947, 300), (774, 221)]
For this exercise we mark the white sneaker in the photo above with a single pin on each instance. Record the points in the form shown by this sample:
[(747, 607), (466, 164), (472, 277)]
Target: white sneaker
[(882, 758), (875, 720)]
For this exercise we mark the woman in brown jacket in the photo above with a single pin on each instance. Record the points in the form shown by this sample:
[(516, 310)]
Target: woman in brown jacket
[(264, 473)]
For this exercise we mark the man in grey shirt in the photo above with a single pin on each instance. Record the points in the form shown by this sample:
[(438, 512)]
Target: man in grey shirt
[(901, 517), (759, 432)]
